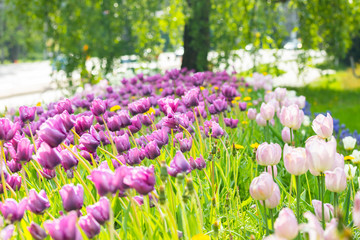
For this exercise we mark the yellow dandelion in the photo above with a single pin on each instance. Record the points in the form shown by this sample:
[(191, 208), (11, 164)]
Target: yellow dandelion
[(249, 90), (38, 104), (247, 99), (242, 89), (238, 146), (115, 108), (237, 98), (251, 74), (268, 91), (133, 97), (349, 158), (254, 145), (200, 236), (216, 88), (258, 34), (86, 47), (151, 111), (265, 73), (160, 89), (244, 122), (202, 88), (249, 104), (234, 102)]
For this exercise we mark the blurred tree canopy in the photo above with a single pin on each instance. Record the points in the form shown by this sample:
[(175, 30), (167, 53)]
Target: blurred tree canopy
[(109, 29)]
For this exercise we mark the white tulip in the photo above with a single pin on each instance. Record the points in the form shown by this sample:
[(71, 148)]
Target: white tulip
[(306, 122), (349, 142), (356, 155), (350, 171)]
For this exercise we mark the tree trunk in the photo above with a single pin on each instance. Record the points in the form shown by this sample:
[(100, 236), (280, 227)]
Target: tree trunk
[(197, 36)]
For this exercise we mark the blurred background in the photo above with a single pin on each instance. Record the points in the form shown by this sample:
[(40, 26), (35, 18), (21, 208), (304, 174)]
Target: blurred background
[(51, 48)]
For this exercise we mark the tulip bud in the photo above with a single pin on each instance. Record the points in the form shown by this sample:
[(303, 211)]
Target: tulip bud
[(162, 197), (286, 225), (268, 154), (328, 210), (251, 113), (100, 211), (350, 171), (63, 228), (261, 187), (13, 211), (72, 197), (291, 116), (323, 126), (98, 107), (267, 111), (38, 203), (285, 135), (274, 199), (90, 226), (163, 171), (260, 120), (320, 154), (295, 160), (349, 142), (335, 181), (190, 185), (37, 232)]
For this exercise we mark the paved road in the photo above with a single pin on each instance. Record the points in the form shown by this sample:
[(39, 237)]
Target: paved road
[(29, 83)]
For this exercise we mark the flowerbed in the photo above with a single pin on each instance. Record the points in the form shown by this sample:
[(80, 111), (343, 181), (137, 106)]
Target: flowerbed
[(180, 156)]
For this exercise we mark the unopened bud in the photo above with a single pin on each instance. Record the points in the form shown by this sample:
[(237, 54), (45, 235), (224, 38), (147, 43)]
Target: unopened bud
[(213, 201), (162, 197), (190, 185), (163, 171), (216, 227), (180, 178)]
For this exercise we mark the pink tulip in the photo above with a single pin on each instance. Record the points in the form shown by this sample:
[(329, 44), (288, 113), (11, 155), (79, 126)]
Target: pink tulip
[(331, 232), (280, 93), (268, 154), (291, 116), (260, 120), (261, 187), (251, 114), (328, 210), (356, 210), (286, 225), (295, 160), (285, 135), (274, 200), (267, 111), (270, 169), (320, 154), (312, 227), (335, 181), (323, 126)]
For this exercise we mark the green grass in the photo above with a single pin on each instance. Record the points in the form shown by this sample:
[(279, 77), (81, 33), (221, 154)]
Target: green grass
[(343, 104)]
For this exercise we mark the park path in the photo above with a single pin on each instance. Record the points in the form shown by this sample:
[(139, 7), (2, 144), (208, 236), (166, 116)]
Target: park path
[(30, 83)]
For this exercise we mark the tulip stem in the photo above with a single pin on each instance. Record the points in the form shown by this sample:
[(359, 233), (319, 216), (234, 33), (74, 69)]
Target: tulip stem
[(308, 186), (111, 219), (335, 203), (23, 173), (110, 137), (272, 218), (78, 158), (20, 233), (291, 137), (347, 204), (110, 154), (84, 185), (132, 137), (3, 183), (198, 127), (265, 219), (322, 199), (32, 137), (298, 191)]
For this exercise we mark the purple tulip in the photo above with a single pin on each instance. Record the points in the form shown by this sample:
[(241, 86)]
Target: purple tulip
[(199, 163), (53, 131), (100, 211), (27, 114), (242, 106), (122, 143), (64, 228), (103, 180), (48, 157), (219, 105), (90, 226), (135, 125), (147, 120), (191, 98), (185, 144), (118, 121), (228, 91), (13, 211), (160, 136), (14, 166), (98, 107), (83, 123), (142, 179), (24, 150), (140, 106), (48, 173), (37, 232), (152, 150), (38, 203), (135, 156), (14, 181), (198, 78), (72, 197), (90, 141), (7, 129), (68, 160), (232, 123), (168, 105), (214, 129), (179, 165), (67, 120), (64, 105), (7, 232)]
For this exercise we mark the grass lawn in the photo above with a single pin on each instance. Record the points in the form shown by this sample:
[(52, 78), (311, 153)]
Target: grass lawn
[(343, 104)]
